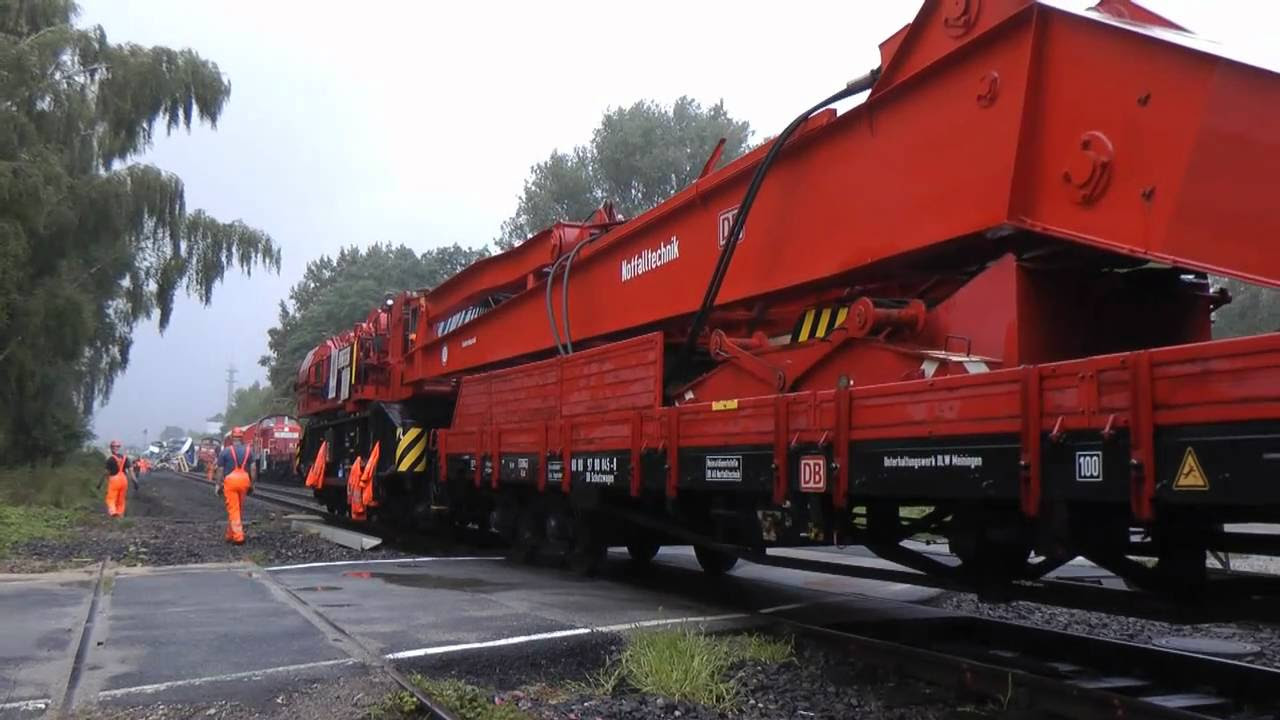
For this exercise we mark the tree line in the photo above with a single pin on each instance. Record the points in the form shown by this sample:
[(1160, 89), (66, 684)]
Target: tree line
[(91, 242)]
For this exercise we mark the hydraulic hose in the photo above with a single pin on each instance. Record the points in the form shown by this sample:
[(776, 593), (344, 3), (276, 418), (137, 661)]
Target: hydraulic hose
[(862, 84), (551, 315), (564, 292)]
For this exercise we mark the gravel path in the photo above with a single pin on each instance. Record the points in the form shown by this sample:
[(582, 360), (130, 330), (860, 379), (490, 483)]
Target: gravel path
[(1116, 627), (176, 521)]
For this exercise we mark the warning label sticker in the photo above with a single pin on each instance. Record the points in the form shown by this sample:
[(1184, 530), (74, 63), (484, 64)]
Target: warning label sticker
[(1190, 475)]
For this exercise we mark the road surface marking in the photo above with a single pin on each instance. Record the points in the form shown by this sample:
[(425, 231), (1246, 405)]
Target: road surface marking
[(249, 675), (302, 566), (36, 704), (555, 634)]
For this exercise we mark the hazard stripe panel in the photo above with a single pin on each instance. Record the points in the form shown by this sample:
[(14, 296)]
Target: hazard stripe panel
[(411, 451), (817, 323)]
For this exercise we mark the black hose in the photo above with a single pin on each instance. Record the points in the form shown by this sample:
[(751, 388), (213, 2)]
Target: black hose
[(551, 315), (859, 85), (564, 292)]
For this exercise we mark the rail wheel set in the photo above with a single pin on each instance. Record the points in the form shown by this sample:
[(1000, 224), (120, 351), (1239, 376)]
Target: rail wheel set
[(978, 306)]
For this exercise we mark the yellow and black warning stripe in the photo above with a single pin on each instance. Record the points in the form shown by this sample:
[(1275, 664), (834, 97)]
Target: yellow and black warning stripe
[(411, 450), (816, 322)]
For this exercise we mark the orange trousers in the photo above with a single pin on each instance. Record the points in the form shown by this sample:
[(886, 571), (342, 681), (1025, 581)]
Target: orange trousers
[(234, 487), (117, 489)]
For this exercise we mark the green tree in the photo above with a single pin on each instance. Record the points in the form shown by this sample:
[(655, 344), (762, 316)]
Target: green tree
[(89, 244), (1253, 309), (336, 293), (252, 403), (638, 156)]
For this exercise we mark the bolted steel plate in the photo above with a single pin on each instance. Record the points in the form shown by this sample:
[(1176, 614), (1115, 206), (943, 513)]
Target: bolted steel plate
[(1208, 646)]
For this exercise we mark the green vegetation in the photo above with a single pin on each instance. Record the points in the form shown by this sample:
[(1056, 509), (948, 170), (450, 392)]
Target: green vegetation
[(46, 501), (90, 243), (685, 664), (638, 156), (465, 701)]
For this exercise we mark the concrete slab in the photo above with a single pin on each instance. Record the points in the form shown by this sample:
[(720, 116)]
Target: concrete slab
[(340, 536), (41, 625), (443, 602), (167, 626)]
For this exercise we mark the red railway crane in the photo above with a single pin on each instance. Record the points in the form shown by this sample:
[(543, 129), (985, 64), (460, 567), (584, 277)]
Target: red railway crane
[(984, 291)]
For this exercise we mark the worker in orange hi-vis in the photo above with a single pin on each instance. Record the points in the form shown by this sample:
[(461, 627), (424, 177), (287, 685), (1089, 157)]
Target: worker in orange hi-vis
[(117, 475), (315, 476), (366, 478), (355, 496), (236, 475)]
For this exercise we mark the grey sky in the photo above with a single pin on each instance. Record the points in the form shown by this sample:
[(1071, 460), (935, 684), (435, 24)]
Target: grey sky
[(417, 123)]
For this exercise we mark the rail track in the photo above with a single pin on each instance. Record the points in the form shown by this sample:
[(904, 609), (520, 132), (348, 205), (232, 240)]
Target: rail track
[(1035, 672), (1029, 670)]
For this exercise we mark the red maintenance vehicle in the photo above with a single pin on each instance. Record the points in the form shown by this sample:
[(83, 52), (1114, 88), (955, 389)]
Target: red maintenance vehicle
[(207, 453), (983, 293), (274, 439)]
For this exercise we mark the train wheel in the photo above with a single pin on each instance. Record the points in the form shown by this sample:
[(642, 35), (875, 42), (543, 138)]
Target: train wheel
[(714, 562), (524, 543), (642, 552)]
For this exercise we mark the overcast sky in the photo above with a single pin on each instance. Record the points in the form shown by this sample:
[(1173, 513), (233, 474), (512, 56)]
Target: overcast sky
[(417, 122)]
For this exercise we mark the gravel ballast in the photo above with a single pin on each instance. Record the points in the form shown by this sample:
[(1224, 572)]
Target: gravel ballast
[(1118, 627), (175, 520)]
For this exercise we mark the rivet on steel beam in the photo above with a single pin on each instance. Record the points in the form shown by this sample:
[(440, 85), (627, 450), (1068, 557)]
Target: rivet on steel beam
[(1143, 99), (1148, 192)]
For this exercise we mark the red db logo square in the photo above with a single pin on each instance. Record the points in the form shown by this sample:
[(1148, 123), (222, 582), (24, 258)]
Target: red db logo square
[(813, 473)]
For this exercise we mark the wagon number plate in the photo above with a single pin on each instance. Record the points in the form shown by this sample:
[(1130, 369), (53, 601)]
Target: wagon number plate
[(813, 473)]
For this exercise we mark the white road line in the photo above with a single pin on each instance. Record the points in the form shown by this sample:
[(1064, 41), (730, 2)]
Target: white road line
[(37, 704), (250, 675), (302, 566), (554, 634), (443, 649)]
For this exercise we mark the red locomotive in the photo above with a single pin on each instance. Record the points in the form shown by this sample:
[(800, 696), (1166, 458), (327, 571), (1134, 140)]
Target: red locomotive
[(983, 291)]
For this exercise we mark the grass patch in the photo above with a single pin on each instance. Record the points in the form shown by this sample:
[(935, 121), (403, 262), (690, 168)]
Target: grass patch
[(45, 501), (69, 486), (685, 664), (465, 701), (19, 525)]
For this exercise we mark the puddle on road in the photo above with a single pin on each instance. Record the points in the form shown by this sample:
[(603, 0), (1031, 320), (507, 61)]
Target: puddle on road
[(431, 582)]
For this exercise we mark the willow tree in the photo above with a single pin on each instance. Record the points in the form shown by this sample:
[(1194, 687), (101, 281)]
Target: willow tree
[(90, 243)]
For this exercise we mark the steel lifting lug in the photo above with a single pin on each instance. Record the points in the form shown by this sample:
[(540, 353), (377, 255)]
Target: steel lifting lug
[(1088, 172)]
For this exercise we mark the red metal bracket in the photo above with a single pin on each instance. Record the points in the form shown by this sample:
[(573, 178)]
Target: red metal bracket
[(780, 447), (1142, 452), (444, 459), (724, 348), (673, 451), (1031, 445), (843, 409), (479, 458), (495, 439), (566, 473), (637, 425), (544, 457)]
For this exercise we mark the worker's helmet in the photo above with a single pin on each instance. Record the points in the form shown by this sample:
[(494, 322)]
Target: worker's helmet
[(237, 432)]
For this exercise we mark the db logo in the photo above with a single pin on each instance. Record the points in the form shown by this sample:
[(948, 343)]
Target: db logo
[(725, 222), (813, 473)]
